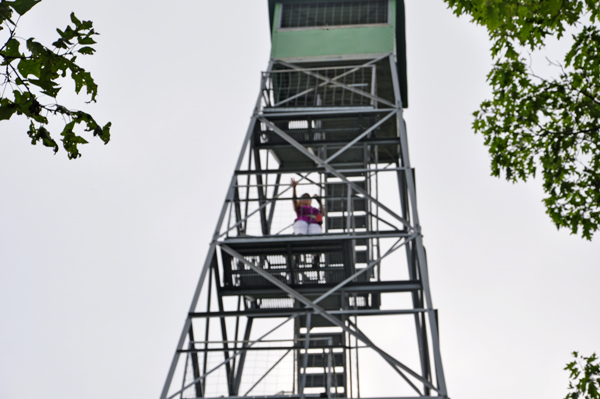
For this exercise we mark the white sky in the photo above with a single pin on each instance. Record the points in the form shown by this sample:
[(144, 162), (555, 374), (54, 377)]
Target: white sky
[(99, 257)]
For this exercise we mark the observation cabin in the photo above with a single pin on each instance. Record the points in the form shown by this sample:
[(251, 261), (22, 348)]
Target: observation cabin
[(282, 315)]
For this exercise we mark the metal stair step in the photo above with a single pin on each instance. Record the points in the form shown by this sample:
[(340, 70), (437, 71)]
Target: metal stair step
[(320, 380), (320, 360), (321, 340), (340, 222)]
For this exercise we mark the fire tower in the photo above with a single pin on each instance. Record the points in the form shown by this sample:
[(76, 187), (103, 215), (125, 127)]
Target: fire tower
[(342, 314)]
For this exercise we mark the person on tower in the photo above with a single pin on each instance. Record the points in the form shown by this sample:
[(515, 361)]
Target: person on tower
[(308, 219)]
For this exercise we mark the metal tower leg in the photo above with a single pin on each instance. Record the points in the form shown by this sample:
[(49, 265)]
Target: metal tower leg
[(421, 261)]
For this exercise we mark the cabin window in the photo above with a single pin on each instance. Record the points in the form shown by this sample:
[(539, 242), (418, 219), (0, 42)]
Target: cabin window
[(334, 13)]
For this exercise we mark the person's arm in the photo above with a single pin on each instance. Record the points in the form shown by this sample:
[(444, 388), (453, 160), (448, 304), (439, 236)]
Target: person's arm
[(321, 207), (294, 195)]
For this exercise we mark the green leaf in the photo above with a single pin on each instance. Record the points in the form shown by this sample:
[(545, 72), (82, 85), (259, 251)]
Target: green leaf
[(82, 79), (22, 6), (48, 86), (103, 133), (86, 50), (36, 48), (11, 50), (86, 40), (41, 68), (41, 133), (29, 67), (67, 34), (584, 382), (5, 13), (7, 109), (74, 19), (60, 43)]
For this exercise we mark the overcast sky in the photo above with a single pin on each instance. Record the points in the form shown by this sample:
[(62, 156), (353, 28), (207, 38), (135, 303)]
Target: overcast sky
[(99, 257)]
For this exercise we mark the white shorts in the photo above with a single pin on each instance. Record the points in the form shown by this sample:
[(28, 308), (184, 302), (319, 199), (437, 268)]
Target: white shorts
[(302, 228)]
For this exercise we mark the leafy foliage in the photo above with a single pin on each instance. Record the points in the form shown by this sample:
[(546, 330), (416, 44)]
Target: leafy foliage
[(31, 75), (549, 123), (584, 377)]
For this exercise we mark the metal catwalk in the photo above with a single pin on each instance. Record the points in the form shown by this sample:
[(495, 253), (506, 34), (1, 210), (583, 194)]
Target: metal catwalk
[(342, 314)]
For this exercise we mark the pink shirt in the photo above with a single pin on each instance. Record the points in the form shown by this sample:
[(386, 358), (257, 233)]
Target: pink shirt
[(308, 214)]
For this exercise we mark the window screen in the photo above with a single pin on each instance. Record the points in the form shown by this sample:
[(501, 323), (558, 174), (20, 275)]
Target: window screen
[(334, 13)]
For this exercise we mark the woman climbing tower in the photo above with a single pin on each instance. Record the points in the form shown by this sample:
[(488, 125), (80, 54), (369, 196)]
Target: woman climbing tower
[(308, 219)]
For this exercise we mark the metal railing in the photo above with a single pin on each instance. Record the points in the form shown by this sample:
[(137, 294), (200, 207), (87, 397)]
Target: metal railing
[(346, 210), (345, 86), (308, 364)]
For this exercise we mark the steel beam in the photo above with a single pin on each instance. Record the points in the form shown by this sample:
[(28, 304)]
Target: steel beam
[(372, 287), (422, 263), (359, 137), (268, 313)]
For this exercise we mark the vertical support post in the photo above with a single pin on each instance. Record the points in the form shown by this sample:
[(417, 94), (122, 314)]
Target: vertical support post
[(348, 207), (240, 367), (207, 328), (327, 368), (305, 360), (195, 364), (238, 211), (347, 351), (374, 85), (235, 344), (357, 367), (272, 208), (261, 193), (416, 296), (439, 371), (248, 183), (228, 368), (187, 358)]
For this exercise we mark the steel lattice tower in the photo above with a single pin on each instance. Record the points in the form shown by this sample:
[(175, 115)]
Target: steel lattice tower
[(346, 313)]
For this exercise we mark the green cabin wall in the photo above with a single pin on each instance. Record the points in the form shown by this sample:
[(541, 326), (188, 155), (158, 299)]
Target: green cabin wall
[(333, 41), (351, 42)]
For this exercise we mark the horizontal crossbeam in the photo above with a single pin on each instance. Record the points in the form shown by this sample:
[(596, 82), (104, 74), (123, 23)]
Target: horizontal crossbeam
[(292, 312), (372, 287)]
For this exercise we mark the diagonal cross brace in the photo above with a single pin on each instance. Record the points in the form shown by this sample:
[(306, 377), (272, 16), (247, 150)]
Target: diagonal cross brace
[(234, 355), (364, 270), (331, 170), (359, 137), (327, 80), (322, 312), (314, 88), (350, 278), (324, 83)]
